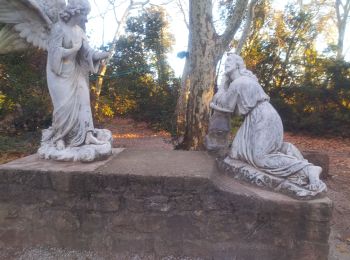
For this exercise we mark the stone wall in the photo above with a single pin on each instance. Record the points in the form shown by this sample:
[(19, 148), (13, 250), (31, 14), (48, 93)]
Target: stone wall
[(155, 203)]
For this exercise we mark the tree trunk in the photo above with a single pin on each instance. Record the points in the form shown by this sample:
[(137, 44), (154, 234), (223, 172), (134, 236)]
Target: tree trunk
[(98, 87), (342, 11), (202, 61), (197, 116), (246, 30), (182, 100), (340, 45), (205, 49)]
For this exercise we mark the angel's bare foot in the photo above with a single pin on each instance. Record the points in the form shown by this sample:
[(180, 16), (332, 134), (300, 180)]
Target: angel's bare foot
[(314, 173), (60, 145), (91, 139)]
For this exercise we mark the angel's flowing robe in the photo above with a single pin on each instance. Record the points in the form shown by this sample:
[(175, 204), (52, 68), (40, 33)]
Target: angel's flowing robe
[(259, 141), (69, 89)]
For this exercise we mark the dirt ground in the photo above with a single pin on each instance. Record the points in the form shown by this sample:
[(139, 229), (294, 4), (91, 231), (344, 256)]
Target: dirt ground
[(138, 135), (130, 134)]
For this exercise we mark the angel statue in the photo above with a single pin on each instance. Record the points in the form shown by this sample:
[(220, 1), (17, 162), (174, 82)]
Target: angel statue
[(58, 28), (258, 153)]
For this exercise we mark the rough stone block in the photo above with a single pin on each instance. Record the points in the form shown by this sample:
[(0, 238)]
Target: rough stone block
[(156, 203)]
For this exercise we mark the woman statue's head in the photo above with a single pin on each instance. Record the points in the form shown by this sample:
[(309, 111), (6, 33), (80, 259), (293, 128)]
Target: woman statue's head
[(76, 12), (235, 67), (233, 63)]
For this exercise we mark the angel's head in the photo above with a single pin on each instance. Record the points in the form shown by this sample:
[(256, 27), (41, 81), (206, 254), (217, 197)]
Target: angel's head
[(76, 12), (83, 5), (52, 8)]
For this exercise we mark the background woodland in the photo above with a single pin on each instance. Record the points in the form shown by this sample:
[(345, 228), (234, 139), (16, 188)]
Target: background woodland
[(309, 87)]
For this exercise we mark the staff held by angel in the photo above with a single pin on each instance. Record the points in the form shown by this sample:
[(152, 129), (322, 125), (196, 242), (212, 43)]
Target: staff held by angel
[(58, 27)]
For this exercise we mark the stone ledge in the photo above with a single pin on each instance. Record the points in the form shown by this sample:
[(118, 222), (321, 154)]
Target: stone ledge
[(164, 203), (249, 175)]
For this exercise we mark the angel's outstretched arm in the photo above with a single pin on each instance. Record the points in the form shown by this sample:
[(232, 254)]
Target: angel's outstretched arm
[(100, 56), (92, 56)]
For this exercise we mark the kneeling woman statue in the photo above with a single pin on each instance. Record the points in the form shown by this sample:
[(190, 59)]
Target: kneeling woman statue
[(259, 141)]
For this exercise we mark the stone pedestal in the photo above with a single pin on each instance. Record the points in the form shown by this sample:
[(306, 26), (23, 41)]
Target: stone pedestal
[(156, 204), (250, 175)]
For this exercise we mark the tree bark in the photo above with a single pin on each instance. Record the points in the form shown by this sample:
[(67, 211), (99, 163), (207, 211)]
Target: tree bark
[(182, 100), (205, 49), (342, 11), (246, 30)]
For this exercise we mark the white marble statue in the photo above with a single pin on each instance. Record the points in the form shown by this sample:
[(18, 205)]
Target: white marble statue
[(259, 141), (58, 28)]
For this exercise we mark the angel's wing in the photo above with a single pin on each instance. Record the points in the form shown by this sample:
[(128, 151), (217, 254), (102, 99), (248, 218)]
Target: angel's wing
[(10, 40), (26, 20)]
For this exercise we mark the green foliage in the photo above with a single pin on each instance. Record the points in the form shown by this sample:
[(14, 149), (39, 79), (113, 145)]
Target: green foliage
[(26, 143), (310, 91), (140, 82), (24, 99)]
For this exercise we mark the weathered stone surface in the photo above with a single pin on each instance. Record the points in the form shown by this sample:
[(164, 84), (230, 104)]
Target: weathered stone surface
[(159, 204), (252, 176)]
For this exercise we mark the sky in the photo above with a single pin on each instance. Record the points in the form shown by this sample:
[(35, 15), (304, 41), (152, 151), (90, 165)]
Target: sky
[(101, 30)]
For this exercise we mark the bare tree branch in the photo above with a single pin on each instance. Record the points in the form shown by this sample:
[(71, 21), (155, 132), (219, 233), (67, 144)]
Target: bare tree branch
[(342, 11), (180, 5), (120, 22), (245, 33), (233, 24), (102, 16)]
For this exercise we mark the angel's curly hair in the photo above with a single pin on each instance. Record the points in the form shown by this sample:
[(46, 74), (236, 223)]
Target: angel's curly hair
[(75, 7)]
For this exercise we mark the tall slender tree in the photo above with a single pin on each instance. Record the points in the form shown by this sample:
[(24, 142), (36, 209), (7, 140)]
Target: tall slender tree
[(342, 8), (205, 49)]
